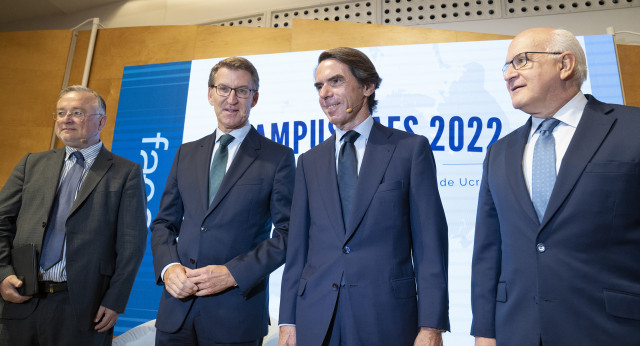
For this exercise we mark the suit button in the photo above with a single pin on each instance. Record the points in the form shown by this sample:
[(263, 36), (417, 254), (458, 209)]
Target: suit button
[(541, 248), (203, 229), (192, 261), (44, 224), (346, 250), (335, 286)]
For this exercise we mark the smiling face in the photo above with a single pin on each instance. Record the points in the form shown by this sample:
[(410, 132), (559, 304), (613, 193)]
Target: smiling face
[(232, 112), (341, 97), (538, 88), (82, 132)]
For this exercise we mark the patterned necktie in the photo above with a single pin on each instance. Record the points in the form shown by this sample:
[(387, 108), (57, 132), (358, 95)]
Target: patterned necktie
[(219, 166), (55, 234), (544, 166), (347, 172)]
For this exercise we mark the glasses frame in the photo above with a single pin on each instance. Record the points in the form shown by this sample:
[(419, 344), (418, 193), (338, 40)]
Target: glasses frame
[(234, 90), (526, 60), (74, 114)]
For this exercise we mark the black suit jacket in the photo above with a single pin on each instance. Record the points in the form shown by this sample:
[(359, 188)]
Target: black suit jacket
[(572, 279), (106, 228), (234, 231)]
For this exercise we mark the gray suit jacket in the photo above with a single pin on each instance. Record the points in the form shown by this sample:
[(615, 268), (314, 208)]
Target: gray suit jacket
[(106, 229)]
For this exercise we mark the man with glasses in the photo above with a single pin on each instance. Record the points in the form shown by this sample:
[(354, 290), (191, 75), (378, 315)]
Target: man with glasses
[(557, 243), (83, 209), (211, 240)]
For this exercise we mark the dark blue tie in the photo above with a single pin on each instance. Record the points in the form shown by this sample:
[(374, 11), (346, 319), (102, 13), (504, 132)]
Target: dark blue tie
[(347, 172), (219, 166), (543, 175), (55, 234)]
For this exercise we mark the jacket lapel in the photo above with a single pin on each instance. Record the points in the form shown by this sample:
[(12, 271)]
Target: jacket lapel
[(247, 153), (514, 171), (377, 155), (202, 167), (328, 182), (99, 168), (51, 181), (590, 133)]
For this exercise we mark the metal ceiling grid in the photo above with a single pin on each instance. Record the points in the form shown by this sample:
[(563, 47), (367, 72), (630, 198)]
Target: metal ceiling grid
[(420, 12), (349, 11)]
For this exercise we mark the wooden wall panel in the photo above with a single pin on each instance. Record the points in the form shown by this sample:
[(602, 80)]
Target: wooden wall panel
[(316, 35), (32, 67), (629, 62), (32, 64)]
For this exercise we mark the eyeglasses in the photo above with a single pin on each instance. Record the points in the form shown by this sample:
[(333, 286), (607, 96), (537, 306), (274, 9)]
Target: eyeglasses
[(520, 60), (224, 91), (78, 115)]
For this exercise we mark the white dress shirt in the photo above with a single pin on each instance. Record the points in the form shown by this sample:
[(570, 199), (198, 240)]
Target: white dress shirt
[(569, 116)]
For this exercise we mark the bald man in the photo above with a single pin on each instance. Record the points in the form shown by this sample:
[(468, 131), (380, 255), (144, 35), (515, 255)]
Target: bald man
[(557, 241)]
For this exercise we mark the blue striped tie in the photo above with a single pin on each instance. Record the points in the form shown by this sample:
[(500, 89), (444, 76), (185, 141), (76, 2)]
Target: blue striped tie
[(55, 234)]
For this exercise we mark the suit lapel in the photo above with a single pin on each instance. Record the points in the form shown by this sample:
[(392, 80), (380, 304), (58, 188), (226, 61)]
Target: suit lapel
[(51, 181), (99, 168), (202, 167), (328, 181), (377, 155), (514, 172), (590, 133), (247, 153)]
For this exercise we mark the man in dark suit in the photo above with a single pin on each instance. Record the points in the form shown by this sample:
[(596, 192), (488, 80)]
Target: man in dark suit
[(211, 238), (557, 263), (103, 233), (368, 250)]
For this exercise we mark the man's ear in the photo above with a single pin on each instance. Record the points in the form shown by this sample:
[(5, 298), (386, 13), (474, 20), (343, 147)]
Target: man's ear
[(255, 99), (368, 89), (568, 66)]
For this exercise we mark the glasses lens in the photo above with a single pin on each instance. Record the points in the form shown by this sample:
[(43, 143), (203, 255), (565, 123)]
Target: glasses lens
[(223, 90), (242, 92), (520, 60)]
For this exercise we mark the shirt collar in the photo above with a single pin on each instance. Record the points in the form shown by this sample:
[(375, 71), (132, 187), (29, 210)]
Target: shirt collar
[(364, 129), (569, 114), (238, 134), (89, 153)]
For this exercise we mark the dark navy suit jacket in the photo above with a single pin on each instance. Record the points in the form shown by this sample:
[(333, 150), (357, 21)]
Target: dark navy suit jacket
[(393, 251), (234, 231), (574, 278)]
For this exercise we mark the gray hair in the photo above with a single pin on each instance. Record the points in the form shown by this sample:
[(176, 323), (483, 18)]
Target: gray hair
[(564, 41), (235, 63), (102, 106)]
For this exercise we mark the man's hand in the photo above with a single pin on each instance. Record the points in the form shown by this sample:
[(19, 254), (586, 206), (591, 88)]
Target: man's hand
[(287, 336), (177, 283), (105, 319), (9, 292), (485, 341), (211, 279), (428, 337)]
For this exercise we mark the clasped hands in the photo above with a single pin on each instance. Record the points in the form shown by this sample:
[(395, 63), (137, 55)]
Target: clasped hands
[(182, 282)]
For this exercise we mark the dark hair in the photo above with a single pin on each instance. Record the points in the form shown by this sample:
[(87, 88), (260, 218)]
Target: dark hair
[(235, 63), (360, 66), (102, 106)]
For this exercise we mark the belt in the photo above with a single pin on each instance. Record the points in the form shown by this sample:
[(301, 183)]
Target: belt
[(51, 286)]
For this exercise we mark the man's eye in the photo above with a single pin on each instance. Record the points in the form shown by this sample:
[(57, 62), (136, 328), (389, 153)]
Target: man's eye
[(78, 113), (224, 89)]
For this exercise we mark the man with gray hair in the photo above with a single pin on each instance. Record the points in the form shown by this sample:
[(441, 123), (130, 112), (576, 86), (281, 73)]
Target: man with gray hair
[(82, 209), (557, 243), (211, 240)]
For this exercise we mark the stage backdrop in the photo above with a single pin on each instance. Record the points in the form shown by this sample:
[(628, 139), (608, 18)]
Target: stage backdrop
[(452, 93)]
